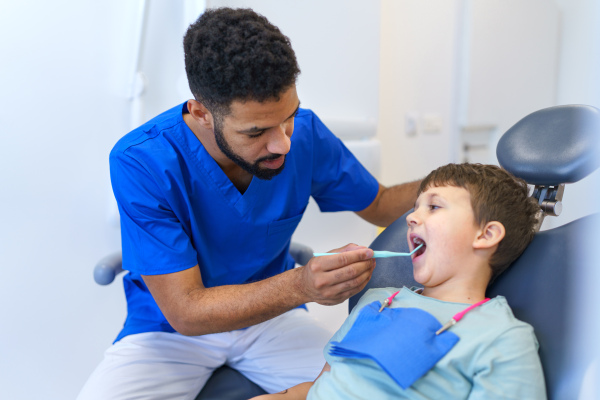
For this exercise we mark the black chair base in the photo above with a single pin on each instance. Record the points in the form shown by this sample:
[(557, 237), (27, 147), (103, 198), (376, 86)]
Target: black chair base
[(229, 384)]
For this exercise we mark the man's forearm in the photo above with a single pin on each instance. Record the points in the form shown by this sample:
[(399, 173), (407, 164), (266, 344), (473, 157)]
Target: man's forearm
[(230, 307), (397, 200), (391, 203), (193, 309)]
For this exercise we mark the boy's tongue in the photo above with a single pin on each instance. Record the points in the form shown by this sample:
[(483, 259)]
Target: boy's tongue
[(418, 242), (421, 250)]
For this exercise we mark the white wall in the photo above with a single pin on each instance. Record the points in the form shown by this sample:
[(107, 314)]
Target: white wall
[(59, 121), (463, 65), (419, 70)]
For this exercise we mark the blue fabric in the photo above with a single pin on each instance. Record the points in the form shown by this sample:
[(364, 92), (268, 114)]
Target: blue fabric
[(409, 331), (179, 209)]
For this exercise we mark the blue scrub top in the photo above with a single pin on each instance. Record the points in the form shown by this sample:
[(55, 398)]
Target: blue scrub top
[(179, 209)]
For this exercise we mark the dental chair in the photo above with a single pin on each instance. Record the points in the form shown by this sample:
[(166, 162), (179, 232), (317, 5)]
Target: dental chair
[(548, 148), (225, 383)]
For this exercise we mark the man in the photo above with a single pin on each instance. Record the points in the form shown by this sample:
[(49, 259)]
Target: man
[(209, 195)]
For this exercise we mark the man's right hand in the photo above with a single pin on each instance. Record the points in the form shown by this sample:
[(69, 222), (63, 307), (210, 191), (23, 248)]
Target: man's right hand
[(329, 280)]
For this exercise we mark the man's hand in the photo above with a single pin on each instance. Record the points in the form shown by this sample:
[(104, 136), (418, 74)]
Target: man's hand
[(330, 280)]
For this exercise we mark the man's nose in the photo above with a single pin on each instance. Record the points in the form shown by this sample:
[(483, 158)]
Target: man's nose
[(279, 142)]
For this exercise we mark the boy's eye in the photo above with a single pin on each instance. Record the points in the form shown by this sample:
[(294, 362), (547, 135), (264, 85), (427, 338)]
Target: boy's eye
[(433, 207)]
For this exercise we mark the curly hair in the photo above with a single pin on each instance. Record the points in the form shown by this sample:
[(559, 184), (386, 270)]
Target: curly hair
[(237, 54), (496, 195)]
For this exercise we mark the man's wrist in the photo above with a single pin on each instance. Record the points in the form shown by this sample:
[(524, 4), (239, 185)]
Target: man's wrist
[(299, 293)]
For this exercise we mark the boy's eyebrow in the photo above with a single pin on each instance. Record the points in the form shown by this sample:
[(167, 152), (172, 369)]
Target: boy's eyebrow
[(435, 196), (255, 129), (430, 197)]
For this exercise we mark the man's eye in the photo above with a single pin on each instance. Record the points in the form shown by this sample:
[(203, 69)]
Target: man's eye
[(257, 134)]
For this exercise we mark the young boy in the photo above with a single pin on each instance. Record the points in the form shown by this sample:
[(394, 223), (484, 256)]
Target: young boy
[(472, 221)]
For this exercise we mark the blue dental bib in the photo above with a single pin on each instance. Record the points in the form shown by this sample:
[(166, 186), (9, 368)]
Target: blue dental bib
[(402, 341)]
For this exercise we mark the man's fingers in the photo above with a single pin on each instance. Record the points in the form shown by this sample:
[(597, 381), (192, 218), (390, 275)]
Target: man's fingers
[(348, 247), (342, 259), (342, 286), (328, 279), (355, 283), (345, 290), (366, 277)]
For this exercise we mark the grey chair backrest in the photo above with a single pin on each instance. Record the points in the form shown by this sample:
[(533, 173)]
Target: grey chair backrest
[(547, 148)]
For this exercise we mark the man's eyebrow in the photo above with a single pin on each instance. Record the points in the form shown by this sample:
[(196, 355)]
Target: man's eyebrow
[(255, 129)]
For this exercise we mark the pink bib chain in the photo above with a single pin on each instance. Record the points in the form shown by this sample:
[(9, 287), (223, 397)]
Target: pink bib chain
[(457, 317)]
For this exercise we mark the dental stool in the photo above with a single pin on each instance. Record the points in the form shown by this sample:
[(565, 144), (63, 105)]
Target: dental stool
[(548, 148), (225, 383)]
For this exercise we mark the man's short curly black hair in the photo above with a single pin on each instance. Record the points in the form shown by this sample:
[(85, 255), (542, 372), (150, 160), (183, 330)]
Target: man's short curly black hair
[(237, 54)]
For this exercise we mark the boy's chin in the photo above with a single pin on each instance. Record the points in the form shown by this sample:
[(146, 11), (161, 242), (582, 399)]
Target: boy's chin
[(418, 275), (422, 274)]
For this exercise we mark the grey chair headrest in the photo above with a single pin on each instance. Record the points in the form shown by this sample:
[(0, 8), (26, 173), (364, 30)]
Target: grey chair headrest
[(552, 146)]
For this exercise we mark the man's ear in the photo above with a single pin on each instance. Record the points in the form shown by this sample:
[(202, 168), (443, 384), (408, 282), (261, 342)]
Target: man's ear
[(201, 114), (490, 235)]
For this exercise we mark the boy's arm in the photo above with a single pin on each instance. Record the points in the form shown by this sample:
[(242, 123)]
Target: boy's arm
[(510, 368), (298, 392)]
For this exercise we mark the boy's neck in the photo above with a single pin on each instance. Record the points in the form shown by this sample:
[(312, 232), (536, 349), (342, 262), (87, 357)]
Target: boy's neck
[(468, 289), (453, 296)]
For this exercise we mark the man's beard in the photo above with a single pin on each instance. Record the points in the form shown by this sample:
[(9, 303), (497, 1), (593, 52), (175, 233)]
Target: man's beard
[(254, 168)]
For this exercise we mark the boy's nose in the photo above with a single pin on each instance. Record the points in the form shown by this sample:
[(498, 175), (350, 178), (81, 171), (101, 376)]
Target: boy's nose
[(412, 219)]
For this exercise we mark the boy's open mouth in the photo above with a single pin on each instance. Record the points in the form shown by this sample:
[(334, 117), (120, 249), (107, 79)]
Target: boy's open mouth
[(417, 241)]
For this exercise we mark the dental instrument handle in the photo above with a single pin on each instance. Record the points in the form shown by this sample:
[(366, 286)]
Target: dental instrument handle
[(378, 254)]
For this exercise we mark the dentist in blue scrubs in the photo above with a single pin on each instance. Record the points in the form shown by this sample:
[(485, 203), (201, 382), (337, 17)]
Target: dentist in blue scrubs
[(209, 194)]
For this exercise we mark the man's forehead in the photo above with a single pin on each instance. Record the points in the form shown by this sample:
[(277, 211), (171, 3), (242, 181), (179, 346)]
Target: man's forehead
[(249, 110)]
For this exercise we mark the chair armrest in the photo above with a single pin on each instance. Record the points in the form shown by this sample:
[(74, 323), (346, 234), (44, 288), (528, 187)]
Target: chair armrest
[(108, 268), (300, 253)]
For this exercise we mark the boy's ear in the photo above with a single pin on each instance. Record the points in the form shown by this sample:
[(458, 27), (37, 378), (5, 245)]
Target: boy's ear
[(200, 113), (490, 235)]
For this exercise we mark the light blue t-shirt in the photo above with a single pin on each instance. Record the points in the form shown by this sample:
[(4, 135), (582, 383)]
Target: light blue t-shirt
[(179, 209), (495, 358)]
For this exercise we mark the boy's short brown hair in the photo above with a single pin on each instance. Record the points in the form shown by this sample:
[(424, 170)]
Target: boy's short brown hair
[(496, 195)]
